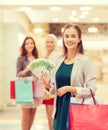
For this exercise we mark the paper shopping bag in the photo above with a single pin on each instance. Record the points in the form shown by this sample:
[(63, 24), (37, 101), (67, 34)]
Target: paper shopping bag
[(39, 89), (13, 90), (24, 93), (88, 117)]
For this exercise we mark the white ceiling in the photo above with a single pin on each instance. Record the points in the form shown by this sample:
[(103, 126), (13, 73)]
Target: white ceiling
[(39, 10), (43, 15)]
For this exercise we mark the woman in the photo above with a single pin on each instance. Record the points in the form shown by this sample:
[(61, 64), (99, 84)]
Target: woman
[(28, 53), (73, 76), (51, 54)]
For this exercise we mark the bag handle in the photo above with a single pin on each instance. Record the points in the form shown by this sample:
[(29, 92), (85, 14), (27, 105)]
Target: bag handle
[(28, 78), (92, 95), (94, 99)]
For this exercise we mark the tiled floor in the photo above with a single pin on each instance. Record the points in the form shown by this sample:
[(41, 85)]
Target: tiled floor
[(10, 116), (10, 119)]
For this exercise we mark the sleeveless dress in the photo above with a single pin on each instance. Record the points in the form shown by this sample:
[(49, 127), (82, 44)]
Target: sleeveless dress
[(62, 103)]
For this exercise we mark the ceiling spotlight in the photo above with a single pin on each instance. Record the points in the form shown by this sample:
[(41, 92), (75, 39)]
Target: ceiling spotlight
[(86, 8), (38, 30), (55, 8), (93, 29)]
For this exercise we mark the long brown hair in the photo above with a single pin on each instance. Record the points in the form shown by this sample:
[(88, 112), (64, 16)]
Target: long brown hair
[(23, 50), (77, 28)]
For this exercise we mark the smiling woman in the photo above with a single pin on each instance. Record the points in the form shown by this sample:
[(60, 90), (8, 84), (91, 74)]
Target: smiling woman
[(13, 22), (73, 75), (28, 53)]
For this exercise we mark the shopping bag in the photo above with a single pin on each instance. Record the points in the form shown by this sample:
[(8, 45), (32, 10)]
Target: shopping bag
[(39, 89), (88, 117), (13, 91), (24, 93)]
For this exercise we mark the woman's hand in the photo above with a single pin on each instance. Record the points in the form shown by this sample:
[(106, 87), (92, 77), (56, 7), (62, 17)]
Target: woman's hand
[(43, 79), (21, 73), (61, 91)]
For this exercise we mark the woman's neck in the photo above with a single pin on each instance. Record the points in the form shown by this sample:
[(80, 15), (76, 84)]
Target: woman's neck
[(30, 57), (48, 53), (70, 56), (29, 54)]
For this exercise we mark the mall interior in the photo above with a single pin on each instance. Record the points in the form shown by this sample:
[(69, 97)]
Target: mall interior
[(37, 18)]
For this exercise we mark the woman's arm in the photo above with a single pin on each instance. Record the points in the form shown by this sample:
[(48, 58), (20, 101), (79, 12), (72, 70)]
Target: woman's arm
[(61, 91), (88, 80), (23, 72), (19, 67)]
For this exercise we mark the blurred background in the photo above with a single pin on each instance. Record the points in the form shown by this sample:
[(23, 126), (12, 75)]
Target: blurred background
[(37, 18)]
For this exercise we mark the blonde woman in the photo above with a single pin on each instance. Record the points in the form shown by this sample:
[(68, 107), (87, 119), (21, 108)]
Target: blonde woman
[(53, 55)]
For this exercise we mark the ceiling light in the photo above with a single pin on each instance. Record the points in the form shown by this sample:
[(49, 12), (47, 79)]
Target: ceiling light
[(92, 29), (55, 8), (87, 8), (38, 30)]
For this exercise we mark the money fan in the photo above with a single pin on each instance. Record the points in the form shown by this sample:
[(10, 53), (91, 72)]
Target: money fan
[(41, 65)]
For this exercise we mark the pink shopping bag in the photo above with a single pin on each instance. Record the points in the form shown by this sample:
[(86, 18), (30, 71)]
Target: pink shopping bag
[(89, 117), (39, 90)]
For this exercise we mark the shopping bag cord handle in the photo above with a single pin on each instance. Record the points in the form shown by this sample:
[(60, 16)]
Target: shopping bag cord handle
[(92, 95)]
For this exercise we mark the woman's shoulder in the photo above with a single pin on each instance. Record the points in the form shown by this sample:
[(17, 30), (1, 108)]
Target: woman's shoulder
[(83, 57), (61, 58), (21, 58)]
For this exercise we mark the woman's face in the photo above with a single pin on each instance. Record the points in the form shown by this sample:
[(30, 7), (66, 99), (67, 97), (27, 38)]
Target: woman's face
[(71, 38), (29, 45), (50, 44)]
